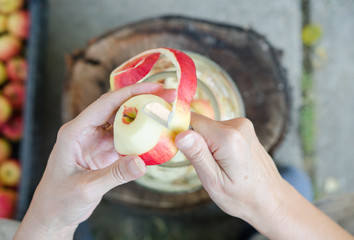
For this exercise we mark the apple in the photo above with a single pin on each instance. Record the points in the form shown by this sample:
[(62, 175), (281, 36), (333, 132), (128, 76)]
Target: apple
[(3, 23), (7, 203), (141, 135), (5, 110), (18, 24), (15, 93), (13, 128), (204, 107), (10, 172), (5, 149), (3, 75), (9, 6), (17, 69), (10, 46), (137, 133)]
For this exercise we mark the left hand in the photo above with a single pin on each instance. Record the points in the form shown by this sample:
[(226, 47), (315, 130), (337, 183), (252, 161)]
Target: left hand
[(82, 167)]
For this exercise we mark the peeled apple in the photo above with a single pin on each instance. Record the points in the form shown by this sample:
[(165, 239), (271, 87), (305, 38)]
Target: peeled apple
[(135, 133)]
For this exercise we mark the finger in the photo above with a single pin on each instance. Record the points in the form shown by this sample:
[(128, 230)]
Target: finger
[(208, 128), (124, 170), (168, 94), (194, 147), (101, 111), (244, 126), (225, 143)]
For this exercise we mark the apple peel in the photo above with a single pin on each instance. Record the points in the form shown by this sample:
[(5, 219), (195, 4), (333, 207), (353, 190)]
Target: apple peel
[(136, 70)]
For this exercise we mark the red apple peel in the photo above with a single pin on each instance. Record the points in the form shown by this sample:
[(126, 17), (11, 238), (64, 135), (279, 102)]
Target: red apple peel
[(137, 70)]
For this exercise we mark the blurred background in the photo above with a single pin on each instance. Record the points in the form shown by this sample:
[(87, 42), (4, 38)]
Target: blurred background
[(315, 41)]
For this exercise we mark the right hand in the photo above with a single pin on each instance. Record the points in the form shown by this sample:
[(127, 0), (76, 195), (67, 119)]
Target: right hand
[(243, 181), (234, 168)]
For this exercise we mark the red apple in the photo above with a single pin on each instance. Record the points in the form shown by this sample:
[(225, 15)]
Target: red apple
[(10, 173), (3, 23), (13, 128), (9, 6), (5, 110), (17, 69), (7, 203), (204, 107), (18, 24), (137, 133), (10, 46), (5, 149), (141, 135), (3, 75), (15, 93)]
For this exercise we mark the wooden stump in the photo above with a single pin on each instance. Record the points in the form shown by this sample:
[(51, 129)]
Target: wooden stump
[(245, 55)]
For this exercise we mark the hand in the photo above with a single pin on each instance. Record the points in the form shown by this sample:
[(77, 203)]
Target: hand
[(233, 167), (82, 167), (243, 181)]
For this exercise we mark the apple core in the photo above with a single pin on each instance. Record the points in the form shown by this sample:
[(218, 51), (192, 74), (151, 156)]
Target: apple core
[(129, 114)]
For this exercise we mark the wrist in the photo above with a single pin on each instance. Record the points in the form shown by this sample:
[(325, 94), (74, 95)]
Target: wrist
[(32, 228), (272, 209), (298, 218)]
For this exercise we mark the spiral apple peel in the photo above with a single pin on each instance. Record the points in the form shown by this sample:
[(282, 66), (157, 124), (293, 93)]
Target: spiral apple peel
[(135, 133)]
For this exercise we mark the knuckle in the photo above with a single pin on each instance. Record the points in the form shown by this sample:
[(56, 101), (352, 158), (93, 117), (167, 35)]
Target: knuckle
[(118, 175), (197, 155), (245, 122), (108, 99), (64, 130), (233, 136)]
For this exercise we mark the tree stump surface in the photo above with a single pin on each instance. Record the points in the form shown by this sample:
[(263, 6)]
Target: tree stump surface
[(246, 56)]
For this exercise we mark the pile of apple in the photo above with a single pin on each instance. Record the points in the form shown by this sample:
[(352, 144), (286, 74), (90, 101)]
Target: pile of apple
[(14, 31)]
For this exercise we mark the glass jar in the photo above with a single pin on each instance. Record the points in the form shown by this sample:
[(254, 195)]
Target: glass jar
[(220, 99)]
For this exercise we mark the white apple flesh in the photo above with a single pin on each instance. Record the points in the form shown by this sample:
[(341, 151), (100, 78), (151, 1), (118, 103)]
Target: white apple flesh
[(142, 133)]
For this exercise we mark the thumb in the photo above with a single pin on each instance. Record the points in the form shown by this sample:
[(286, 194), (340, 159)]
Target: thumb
[(194, 147), (124, 170)]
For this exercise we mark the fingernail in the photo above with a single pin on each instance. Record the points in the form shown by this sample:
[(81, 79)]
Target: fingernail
[(186, 142), (136, 166)]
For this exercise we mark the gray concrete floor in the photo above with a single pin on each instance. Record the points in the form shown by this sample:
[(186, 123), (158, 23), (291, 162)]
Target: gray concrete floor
[(334, 96), (73, 23)]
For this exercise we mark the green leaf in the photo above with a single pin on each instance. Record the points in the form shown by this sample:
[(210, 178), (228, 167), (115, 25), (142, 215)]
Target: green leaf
[(311, 33)]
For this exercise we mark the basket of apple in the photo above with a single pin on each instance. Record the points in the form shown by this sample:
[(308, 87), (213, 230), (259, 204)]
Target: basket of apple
[(14, 31)]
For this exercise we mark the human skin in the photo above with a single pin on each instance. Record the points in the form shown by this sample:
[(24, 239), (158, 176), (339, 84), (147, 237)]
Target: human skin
[(82, 167), (234, 168), (244, 182)]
